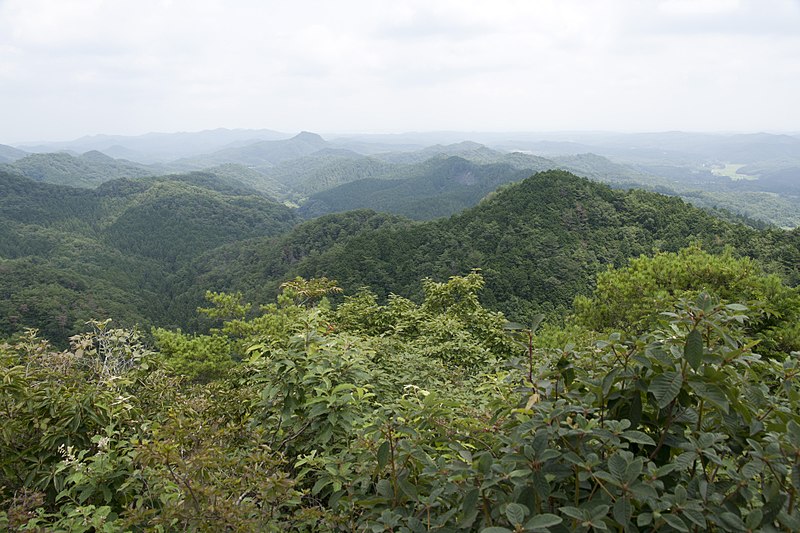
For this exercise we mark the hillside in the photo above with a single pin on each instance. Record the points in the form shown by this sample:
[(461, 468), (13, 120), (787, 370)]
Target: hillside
[(437, 187), (753, 175), (71, 254), (259, 154), (330, 411), (9, 154), (538, 244), (87, 170)]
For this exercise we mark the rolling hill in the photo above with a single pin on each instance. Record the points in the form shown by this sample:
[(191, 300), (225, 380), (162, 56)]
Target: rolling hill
[(86, 170), (538, 243), (70, 254)]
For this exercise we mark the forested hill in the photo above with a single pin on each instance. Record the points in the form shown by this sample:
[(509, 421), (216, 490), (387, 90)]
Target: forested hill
[(146, 250), (440, 187), (70, 254), (538, 244), (86, 170)]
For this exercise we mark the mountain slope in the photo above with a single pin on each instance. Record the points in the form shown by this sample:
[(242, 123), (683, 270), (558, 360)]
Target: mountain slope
[(259, 154), (538, 243), (9, 154), (87, 170), (69, 254), (436, 188)]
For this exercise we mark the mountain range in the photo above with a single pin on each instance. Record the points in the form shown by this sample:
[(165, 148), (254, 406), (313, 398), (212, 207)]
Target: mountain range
[(753, 175)]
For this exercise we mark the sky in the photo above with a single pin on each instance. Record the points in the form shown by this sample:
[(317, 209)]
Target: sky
[(70, 68)]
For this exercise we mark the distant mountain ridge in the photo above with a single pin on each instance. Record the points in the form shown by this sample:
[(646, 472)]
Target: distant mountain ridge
[(9, 154), (158, 147), (260, 154), (86, 170), (755, 175)]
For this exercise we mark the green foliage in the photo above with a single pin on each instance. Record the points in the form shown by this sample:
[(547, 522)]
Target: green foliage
[(68, 255), (631, 298), (333, 422), (199, 358), (538, 244), (57, 401), (670, 402)]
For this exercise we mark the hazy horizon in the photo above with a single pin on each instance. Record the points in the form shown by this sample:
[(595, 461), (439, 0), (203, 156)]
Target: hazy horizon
[(345, 134), (70, 69)]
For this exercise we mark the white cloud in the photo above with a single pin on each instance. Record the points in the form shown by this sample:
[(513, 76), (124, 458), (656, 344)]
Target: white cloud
[(72, 67)]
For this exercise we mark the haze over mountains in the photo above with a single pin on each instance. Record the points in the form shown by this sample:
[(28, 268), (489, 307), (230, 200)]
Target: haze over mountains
[(755, 175)]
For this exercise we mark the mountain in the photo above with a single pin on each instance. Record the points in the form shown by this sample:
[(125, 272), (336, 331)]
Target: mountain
[(436, 188), (256, 179), (9, 154), (259, 154), (442, 186), (538, 243), (70, 254), (467, 149), (328, 168), (173, 221), (86, 170), (159, 147)]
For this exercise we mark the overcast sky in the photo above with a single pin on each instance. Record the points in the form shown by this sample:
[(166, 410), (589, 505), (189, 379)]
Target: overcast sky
[(75, 67)]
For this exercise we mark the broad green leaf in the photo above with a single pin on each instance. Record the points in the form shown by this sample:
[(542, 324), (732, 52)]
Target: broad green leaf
[(536, 322), (633, 471), (384, 488), (676, 522), (407, 488), (753, 519), (383, 454), (772, 507), (665, 388), (712, 394), (693, 350), (485, 463), (543, 520), (515, 513), (638, 437), (733, 521), (622, 511), (793, 433), (319, 485), (696, 517), (617, 465), (470, 501), (573, 512), (736, 307)]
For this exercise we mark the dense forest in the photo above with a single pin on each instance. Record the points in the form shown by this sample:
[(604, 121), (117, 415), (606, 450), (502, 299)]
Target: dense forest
[(445, 339)]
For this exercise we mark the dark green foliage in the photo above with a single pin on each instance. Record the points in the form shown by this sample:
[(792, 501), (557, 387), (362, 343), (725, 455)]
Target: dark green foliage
[(538, 244), (173, 222), (69, 255), (199, 358), (257, 267), (369, 417)]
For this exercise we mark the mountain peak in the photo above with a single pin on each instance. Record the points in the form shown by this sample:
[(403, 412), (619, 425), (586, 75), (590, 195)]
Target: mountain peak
[(308, 136), (97, 156)]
